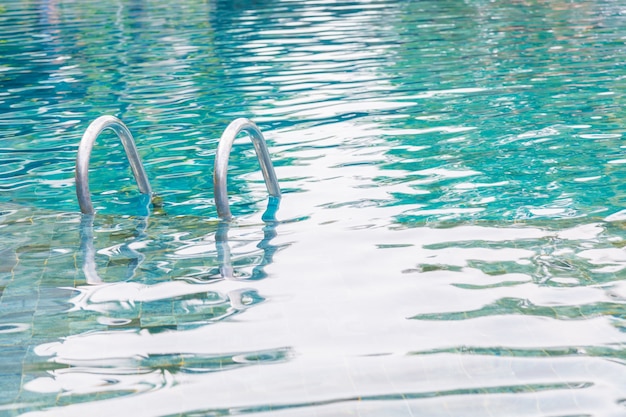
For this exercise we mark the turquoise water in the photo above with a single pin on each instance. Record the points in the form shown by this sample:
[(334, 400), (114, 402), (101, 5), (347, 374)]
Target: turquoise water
[(450, 241)]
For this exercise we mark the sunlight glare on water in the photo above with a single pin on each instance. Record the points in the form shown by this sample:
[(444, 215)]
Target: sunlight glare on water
[(450, 241)]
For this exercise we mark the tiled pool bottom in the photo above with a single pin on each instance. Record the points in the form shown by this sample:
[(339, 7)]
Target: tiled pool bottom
[(163, 326), (45, 295), (32, 276)]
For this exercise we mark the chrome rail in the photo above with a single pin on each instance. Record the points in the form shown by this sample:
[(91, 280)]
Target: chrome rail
[(221, 163), (221, 195), (219, 174), (88, 250), (84, 154), (222, 246)]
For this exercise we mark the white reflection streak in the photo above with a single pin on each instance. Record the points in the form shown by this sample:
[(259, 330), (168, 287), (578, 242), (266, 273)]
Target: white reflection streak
[(355, 321), (335, 75)]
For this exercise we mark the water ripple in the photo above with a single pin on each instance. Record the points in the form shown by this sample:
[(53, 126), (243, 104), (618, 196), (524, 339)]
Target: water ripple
[(450, 240)]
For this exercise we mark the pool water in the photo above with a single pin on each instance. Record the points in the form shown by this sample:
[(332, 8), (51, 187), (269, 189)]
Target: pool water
[(450, 241)]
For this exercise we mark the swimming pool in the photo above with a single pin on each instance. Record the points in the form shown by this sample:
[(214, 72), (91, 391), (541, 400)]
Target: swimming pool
[(450, 241)]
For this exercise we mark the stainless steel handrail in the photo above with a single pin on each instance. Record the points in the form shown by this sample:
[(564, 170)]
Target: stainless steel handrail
[(84, 154), (221, 163)]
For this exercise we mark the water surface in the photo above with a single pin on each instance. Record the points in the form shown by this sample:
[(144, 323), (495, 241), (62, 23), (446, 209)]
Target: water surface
[(449, 242)]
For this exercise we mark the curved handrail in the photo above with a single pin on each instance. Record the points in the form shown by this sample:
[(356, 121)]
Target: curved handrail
[(221, 163), (84, 154)]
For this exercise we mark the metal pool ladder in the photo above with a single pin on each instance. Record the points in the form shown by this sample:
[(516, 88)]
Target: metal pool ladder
[(221, 161)]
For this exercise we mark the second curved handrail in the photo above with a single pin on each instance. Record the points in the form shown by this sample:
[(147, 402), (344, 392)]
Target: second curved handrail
[(221, 163), (84, 154)]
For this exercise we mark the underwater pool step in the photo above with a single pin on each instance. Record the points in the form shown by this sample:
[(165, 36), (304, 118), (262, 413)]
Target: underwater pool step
[(219, 174)]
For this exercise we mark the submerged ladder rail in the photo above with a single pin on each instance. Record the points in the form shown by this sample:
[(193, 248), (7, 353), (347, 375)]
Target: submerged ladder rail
[(221, 163), (84, 155)]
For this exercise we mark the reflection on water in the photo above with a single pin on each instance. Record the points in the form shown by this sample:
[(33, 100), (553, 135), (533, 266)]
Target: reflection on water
[(459, 323), (450, 240), (134, 285)]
